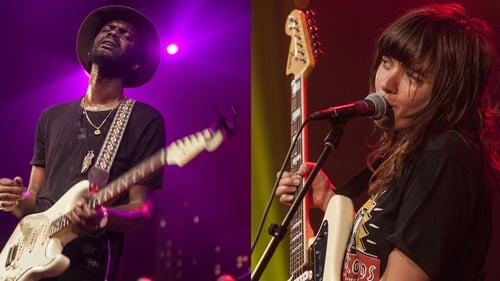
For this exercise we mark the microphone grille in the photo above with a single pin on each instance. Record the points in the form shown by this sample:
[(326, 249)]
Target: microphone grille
[(380, 105)]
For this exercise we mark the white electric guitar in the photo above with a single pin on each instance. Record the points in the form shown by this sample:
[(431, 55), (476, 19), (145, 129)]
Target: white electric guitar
[(34, 249), (312, 257)]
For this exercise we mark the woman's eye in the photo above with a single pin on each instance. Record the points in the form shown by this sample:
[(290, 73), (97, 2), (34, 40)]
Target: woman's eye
[(385, 62)]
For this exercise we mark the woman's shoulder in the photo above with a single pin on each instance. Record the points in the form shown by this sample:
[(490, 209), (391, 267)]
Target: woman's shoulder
[(452, 143)]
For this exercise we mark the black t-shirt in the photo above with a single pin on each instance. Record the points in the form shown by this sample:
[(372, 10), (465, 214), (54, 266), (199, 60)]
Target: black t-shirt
[(438, 216), (63, 138)]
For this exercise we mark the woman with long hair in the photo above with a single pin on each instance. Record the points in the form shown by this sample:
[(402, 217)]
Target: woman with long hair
[(434, 166)]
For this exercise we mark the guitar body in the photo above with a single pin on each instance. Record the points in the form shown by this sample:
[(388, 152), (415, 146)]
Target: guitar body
[(31, 254), (328, 248)]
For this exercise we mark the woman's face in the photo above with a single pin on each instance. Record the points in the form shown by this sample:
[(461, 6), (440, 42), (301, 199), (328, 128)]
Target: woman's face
[(405, 90)]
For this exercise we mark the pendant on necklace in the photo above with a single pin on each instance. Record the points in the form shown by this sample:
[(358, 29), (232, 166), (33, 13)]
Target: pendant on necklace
[(87, 160), (97, 132)]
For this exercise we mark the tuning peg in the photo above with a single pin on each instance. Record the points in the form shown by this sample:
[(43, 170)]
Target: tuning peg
[(223, 122), (310, 13)]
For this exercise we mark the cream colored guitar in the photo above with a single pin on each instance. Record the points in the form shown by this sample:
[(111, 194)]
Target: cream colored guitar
[(34, 249), (312, 257)]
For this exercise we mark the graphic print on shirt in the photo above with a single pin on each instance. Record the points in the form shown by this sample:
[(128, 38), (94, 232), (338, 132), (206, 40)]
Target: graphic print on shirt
[(359, 265)]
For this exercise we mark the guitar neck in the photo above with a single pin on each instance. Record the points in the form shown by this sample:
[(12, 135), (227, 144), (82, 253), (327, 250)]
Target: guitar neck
[(178, 153), (300, 26), (123, 183), (300, 228)]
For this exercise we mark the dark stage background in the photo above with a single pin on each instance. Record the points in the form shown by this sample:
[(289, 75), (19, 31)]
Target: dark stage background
[(201, 222), (347, 32)]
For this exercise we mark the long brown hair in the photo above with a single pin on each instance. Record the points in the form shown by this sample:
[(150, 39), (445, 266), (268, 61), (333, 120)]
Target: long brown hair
[(459, 52)]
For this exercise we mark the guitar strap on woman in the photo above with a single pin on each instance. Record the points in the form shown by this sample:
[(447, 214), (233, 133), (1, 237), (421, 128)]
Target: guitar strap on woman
[(99, 173)]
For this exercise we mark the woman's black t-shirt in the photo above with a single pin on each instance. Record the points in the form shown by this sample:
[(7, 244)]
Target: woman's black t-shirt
[(438, 216)]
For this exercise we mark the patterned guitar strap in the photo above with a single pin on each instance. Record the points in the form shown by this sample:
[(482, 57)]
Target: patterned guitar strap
[(99, 173)]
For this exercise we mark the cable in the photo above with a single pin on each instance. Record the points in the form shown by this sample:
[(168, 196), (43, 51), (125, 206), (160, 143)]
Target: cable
[(275, 186), (109, 260)]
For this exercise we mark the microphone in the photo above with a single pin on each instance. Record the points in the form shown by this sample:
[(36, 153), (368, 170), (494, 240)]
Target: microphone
[(373, 106)]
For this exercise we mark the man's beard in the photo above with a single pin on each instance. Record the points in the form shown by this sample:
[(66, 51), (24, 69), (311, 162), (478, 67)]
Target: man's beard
[(112, 67)]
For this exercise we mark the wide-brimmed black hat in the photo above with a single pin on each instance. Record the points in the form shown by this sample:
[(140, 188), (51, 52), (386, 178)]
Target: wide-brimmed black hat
[(150, 41)]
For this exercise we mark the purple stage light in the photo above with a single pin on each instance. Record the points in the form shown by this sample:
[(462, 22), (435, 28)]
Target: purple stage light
[(172, 49)]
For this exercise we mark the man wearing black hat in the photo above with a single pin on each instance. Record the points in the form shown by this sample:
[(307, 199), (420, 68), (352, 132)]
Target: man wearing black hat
[(119, 47)]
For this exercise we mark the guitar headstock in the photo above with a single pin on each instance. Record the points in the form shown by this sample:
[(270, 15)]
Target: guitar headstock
[(184, 150), (304, 42)]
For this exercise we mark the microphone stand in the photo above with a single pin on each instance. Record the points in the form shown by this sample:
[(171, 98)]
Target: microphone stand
[(278, 231)]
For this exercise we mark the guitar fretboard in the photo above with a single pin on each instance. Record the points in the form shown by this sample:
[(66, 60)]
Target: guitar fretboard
[(137, 174), (298, 224)]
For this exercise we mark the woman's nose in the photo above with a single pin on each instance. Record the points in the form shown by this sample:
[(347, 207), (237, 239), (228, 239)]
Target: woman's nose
[(389, 81)]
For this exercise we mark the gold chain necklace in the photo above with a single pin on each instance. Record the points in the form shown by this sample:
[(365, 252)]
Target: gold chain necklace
[(97, 130)]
